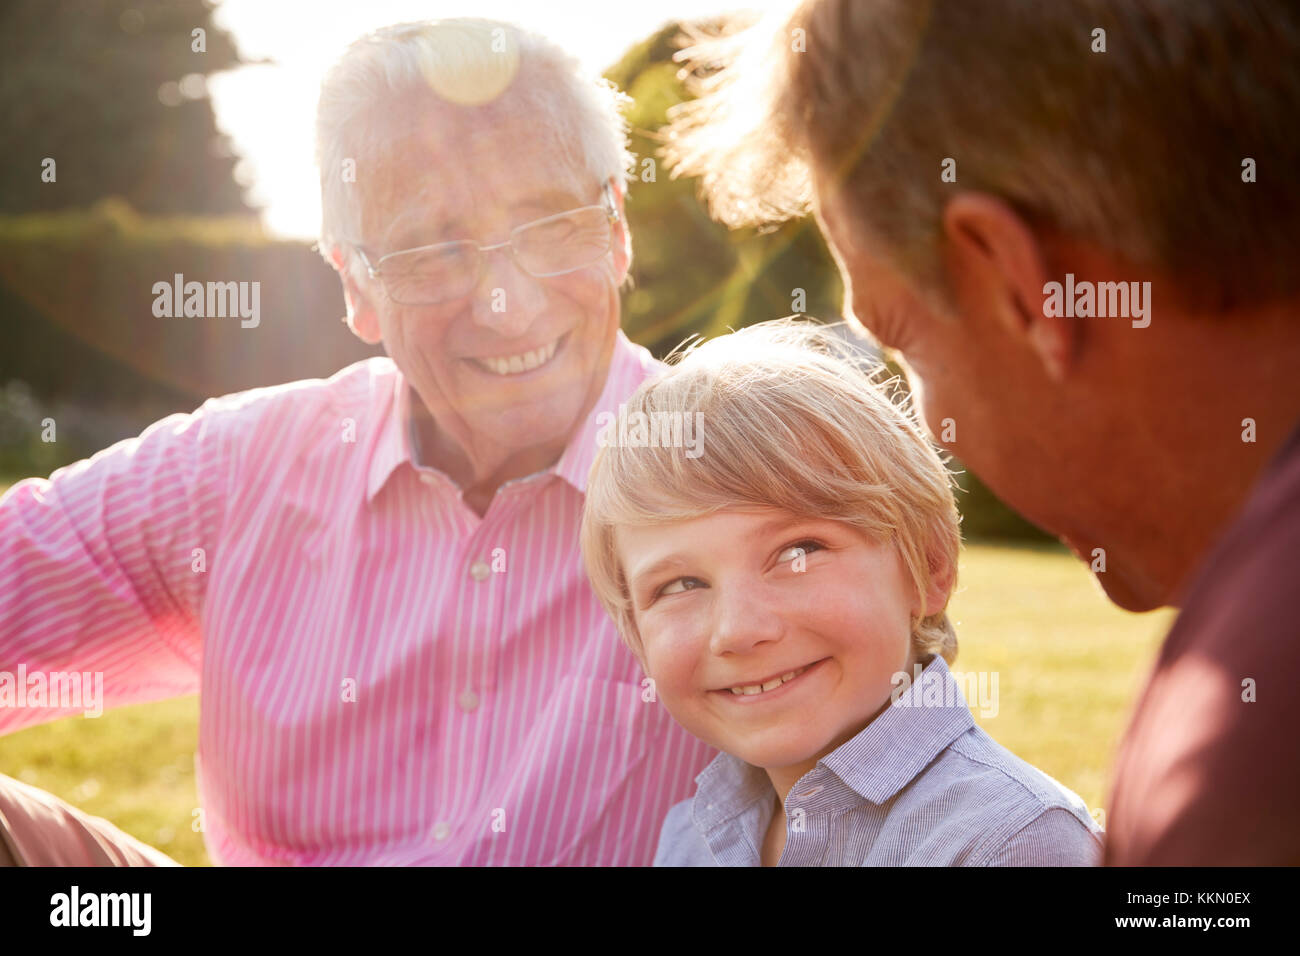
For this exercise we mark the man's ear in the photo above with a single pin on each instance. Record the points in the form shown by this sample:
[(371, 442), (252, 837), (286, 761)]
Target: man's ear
[(362, 318), (621, 237), (996, 263)]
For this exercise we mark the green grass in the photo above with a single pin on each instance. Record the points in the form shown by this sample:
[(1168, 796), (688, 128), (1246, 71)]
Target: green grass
[(1069, 665)]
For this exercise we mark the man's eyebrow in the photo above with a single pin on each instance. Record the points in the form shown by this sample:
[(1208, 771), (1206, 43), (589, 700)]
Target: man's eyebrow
[(550, 202), (409, 231)]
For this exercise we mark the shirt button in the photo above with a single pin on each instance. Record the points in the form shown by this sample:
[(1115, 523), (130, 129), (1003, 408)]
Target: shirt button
[(468, 700), (441, 831), (479, 570), (428, 478)]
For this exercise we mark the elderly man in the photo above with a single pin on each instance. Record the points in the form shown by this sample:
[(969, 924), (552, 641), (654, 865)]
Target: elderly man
[(1077, 223), (374, 581)]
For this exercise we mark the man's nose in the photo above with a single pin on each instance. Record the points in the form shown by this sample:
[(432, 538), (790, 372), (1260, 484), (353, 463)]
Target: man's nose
[(743, 618), (507, 299)]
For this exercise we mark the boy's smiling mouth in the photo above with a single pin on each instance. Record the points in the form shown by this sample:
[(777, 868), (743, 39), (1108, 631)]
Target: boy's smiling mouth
[(763, 689)]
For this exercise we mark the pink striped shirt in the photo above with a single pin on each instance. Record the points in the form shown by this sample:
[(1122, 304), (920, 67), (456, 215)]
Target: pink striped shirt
[(385, 677)]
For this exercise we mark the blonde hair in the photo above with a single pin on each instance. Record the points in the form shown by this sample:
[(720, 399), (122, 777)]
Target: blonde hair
[(468, 65), (794, 422)]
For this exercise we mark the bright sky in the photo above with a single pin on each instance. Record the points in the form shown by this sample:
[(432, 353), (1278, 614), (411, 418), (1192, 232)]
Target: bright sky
[(268, 111)]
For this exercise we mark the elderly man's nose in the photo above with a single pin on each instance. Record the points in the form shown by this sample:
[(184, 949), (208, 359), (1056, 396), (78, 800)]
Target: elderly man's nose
[(507, 298)]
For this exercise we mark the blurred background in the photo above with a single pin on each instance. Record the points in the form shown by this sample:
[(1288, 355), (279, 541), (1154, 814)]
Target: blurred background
[(173, 159)]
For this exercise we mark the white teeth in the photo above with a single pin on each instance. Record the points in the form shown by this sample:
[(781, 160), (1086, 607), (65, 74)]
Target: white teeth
[(514, 364), (749, 690)]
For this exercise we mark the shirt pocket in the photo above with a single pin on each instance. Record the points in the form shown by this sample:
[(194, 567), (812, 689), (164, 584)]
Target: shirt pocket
[(593, 754), (603, 729), (618, 704)]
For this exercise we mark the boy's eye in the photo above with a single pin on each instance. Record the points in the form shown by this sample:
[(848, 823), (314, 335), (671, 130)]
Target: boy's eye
[(681, 584), (796, 550)]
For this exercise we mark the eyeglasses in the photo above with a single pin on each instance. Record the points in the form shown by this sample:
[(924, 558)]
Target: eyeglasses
[(553, 246)]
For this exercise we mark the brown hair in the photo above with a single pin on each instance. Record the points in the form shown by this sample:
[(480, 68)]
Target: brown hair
[(1139, 148)]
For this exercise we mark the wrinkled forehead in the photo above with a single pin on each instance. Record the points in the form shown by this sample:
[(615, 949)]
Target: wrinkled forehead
[(438, 171)]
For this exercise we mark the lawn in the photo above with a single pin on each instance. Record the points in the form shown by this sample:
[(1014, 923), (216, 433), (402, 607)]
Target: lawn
[(1068, 666)]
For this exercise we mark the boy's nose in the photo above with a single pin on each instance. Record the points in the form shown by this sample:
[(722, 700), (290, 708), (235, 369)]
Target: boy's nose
[(744, 619)]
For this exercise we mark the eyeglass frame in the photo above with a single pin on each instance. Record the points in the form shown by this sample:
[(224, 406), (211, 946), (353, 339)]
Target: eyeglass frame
[(608, 206)]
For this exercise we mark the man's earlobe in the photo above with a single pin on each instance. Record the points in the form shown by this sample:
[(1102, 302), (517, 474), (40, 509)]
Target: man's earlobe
[(999, 268), (362, 317)]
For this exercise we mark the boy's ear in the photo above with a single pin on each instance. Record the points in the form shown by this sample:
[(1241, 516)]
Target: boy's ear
[(943, 576)]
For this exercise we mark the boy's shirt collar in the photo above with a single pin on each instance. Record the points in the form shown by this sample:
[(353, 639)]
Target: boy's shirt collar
[(882, 759)]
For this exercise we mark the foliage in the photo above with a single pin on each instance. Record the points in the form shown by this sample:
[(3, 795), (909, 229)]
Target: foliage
[(77, 320), (690, 274), (113, 92)]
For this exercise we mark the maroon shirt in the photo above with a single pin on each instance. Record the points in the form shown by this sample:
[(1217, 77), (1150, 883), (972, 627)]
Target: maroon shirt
[(1206, 776)]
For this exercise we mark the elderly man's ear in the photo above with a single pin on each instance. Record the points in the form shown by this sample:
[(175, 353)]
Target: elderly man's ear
[(362, 318), (622, 237), (996, 266)]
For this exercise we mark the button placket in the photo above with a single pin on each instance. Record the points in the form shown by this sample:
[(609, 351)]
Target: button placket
[(481, 634)]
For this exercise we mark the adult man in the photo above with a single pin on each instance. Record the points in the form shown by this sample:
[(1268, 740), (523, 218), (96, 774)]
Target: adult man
[(374, 580), (970, 162)]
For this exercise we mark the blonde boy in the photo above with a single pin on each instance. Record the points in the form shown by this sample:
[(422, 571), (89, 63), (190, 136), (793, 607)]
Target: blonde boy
[(777, 587)]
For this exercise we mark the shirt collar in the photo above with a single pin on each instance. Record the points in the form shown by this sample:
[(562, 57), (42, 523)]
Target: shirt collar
[(882, 759), (394, 446), (629, 365)]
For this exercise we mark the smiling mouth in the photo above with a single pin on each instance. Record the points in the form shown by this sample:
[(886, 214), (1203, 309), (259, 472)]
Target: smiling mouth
[(518, 364), (755, 690)]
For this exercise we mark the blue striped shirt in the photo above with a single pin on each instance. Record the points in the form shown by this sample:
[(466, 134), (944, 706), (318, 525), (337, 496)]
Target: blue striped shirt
[(921, 785)]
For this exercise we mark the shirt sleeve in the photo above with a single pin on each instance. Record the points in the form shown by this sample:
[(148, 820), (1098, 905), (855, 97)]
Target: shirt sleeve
[(1056, 837), (103, 570)]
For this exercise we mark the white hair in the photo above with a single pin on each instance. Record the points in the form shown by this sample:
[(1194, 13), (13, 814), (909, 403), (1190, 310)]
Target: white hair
[(464, 63)]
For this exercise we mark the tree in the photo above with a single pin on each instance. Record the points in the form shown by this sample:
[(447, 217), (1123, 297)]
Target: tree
[(113, 92), (690, 274)]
